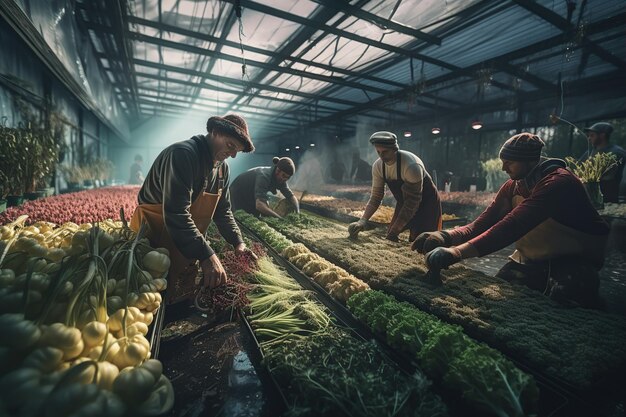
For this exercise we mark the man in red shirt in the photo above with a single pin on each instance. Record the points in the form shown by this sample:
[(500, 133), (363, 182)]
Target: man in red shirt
[(559, 236)]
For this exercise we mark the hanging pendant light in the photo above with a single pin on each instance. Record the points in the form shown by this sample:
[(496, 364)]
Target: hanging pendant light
[(477, 124), (435, 131), (407, 134)]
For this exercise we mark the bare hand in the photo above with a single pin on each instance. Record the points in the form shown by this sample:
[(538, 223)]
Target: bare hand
[(243, 249), (213, 272)]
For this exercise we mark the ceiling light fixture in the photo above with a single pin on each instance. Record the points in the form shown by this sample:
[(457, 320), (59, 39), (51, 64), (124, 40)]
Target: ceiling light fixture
[(312, 145), (435, 131), (477, 124), (287, 149), (296, 147), (407, 134)]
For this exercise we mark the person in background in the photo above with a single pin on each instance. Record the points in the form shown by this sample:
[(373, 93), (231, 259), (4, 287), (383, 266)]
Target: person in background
[(186, 188), (361, 171), (249, 190), (418, 208), (559, 237), (598, 136), (136, 174)]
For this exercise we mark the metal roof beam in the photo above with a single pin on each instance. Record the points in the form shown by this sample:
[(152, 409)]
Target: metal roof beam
[(192, 84), (249, 48), (228, 91), (230, 21), (148, 109), (183, 109), (270, 88), (346, 7), (267, 66), (208, 107), (526, 76), (563, 24), (342, 33), (236, 81)]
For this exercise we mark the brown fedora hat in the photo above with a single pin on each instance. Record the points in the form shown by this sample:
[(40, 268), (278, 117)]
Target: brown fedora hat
[(233, 125)]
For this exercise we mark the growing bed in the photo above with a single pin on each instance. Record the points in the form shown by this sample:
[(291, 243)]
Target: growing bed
[(570, 344)]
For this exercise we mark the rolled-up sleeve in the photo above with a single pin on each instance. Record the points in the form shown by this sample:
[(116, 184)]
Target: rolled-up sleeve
[(285, 190), (378, 188)]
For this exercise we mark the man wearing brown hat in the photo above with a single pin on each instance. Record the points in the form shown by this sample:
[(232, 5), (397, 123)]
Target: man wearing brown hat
[(418, 208), (186, 188), (543, 208), (598, 136), (249, 190)]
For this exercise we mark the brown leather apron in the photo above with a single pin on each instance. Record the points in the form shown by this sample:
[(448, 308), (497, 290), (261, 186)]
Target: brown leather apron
[(551, 240), (428, 217), (183, 276)]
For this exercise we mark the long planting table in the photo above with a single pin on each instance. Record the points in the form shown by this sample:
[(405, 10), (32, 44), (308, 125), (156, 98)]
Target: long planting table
[(557, 397), (580, 350)]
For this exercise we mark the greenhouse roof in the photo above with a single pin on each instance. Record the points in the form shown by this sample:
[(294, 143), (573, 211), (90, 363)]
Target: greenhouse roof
[(292, 65)]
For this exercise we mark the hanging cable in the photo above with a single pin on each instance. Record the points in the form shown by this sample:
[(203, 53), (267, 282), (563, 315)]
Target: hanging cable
[(238, 12)]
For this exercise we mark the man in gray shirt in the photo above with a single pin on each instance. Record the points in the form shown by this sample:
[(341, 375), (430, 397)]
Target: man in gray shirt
[(249, 190)]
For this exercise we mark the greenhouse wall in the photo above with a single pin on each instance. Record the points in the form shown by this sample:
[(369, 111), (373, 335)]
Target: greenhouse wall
[(38, 93)]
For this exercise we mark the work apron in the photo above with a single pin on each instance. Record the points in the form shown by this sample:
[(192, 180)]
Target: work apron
[(427, 218), (560, 261), (552, 240), (183, 276)]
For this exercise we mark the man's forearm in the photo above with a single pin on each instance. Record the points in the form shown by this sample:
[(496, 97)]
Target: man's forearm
[(264, 209), (294, 201)]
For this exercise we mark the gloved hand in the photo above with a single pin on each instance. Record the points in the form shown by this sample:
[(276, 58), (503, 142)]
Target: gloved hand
[(442, 258), (392, 236), (356, 227), (428, 241)]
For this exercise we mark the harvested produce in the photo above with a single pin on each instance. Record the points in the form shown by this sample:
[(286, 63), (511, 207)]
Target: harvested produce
[(337, 282), (324, 370), (81, 207), (71, 341)]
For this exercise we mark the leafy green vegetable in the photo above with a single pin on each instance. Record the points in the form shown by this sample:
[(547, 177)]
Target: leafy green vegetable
[(444, 351), (333, 374), (487, 378)]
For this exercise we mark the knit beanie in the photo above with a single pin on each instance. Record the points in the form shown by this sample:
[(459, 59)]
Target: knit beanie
[(285, 164), (522, 147), (386, 139)]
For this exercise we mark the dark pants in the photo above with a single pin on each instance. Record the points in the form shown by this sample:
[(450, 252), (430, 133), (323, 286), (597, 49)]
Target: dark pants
[(569, 281)]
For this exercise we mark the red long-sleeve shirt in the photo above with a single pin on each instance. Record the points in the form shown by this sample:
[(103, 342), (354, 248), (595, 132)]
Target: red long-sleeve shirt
[(559, 195)]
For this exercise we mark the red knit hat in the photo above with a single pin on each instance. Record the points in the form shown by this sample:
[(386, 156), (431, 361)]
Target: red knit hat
[(522, 147)]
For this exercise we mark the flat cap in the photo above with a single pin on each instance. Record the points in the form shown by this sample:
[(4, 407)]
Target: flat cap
[(600, 127), (384, 138)]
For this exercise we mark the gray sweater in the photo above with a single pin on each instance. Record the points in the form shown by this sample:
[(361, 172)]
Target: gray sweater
[(176, 179), (254, 184)]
